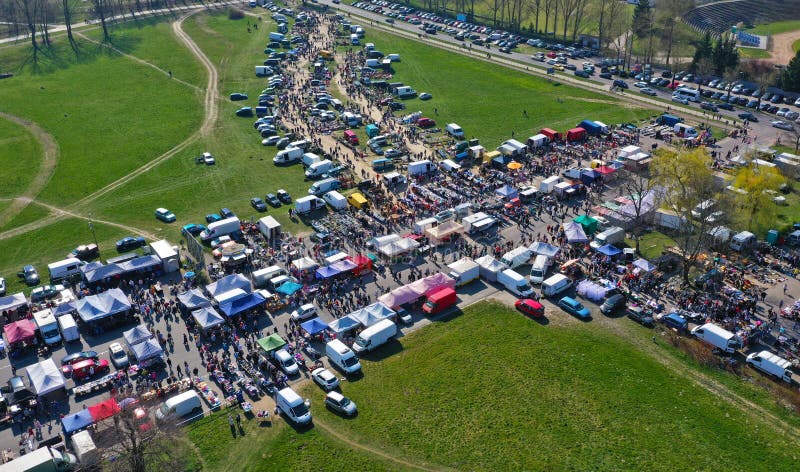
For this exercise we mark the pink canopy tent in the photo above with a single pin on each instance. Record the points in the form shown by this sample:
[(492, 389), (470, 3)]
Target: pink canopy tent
[(411, 292), (103, 410), (20, 331)]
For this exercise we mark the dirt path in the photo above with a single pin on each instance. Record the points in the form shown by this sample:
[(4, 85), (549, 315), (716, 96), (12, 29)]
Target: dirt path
[(781, 49), (139, 60), (50, 154), (210, 106)]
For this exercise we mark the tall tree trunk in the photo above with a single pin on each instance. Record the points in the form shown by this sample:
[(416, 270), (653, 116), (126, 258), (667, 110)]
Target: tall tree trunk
[(26, 7), (68, 21)]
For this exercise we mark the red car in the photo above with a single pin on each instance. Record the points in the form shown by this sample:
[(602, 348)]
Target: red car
[(87, 369), (425, 123), (674, 85), (530, 307)]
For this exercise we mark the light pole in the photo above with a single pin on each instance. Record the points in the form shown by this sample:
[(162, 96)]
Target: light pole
[(94, 235)]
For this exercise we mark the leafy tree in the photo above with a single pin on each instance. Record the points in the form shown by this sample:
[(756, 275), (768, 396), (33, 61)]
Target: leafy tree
[(790, 78), (754, 203), (724, 55), (703, 49), (687, 180), (643, 19)]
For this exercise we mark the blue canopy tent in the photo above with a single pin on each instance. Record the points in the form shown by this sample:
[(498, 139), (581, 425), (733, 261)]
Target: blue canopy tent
[(102, 272), (76, 422), (508, 192), (141, 263), (326, 272), (234, 307), (147, 350), (588, 176), (102, 305), (314, 326), (289, 288), (609, 250)]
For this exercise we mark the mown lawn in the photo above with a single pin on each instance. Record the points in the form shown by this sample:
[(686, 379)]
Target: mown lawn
[(30, 213), (652, 244), (754, 53), (775, 28), (276, 447), (151, 39), (489, 101), (49, 244), (493, 390), (108, 114), (20, 157)]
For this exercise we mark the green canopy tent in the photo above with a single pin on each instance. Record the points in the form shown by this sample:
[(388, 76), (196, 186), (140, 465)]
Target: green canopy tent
[(271, 342), (589, 224)]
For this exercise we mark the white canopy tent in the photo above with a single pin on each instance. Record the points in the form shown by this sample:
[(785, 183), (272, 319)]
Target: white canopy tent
[(228, 283), (207, 317), (396, 248), (304, 263), (45, 377)]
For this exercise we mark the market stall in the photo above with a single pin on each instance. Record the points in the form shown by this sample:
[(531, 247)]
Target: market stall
[(76, 422), (326, 272), (575, 233), (314, 326), (271, 342), (20, 333), (103, 305), (147, 350), (371, 314), (242, 304), (444, 231), (13, 302), (46, 377), (104, 409), (207, 317), (193, 299), (588, 224), (343, 325), (304, 264), (363, 264), (136, 335), (490, 267), (227, 284), (344, 266)]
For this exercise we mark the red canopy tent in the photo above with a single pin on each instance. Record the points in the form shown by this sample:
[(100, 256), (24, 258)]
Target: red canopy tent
[(104, 410), (20, 331), (363, 264)]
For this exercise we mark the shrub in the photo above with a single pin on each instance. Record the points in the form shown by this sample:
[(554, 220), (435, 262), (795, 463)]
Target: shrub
[(235, 14)]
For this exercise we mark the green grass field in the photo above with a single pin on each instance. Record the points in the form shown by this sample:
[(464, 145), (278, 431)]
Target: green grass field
[(20, 156), (796, 46), (493, 390), (652, 244), (753, 53), (775, 28)]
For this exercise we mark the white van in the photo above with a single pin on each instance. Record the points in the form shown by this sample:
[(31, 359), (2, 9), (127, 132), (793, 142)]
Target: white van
[(310, 158), (454, 130), (718, 337), (68, 327), (48, 326), (62, 269), (342, 357), (336, 200), (286, 362), (316, 169), (771, 364), (324, 186), (186, 403), (555, 284), (539, 268), (261, 277), (743, 240), (612, 235), (516, 257), (291, 405), (375, 336), (515, 283)]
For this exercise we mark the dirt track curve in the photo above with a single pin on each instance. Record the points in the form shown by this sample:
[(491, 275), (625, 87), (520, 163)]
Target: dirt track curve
[(210, 117), (50, 154), (781, 49)]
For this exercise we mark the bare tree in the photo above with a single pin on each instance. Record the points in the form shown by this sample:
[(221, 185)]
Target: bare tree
[(100, 10), (580, 15), (645, 196), (28, 11), (67, 11)]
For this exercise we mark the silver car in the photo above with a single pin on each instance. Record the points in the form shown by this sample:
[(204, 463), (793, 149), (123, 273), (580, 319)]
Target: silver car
[(340, 404)]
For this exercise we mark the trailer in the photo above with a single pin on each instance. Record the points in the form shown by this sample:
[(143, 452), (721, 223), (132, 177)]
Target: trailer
[(464, 271)]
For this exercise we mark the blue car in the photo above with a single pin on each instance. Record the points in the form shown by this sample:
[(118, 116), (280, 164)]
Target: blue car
[(130, 243), (676, 321), (226, 213), (212, 217), (574, 308), (193, 229)]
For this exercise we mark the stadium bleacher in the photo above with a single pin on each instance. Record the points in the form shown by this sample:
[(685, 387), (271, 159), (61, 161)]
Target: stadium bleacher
[(718, 17)]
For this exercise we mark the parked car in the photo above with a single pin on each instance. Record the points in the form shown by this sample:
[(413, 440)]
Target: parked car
[(271, 141), (193, 229), (79, 356), (340, 404), (640, 315), (748, 116), (425, 122), (208, 159), (574, 307), (165, 215), (675, 321), (325, 379), (85, 252), (86, 369), (709, 106), (212, 217), (258, 204), (130, 243), (273, 200), (29, 274), (118, 355), (2, 286), (245, 112), (621, 84), (226, 213), (284, 196), (782, 125), (679, 99), (238, 96), (45, 292), (613, 303), (530, 307), (648, 91), (425, 96)]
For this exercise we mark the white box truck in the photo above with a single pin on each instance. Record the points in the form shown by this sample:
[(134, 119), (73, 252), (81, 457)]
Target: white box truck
[(291, 405), (718, 337), (421, 225), (743, 240), (45, 459), (48, 326), (469, 221), (288, 156), (262, 276), (515, 283), (464, 271), (342, 357), (63, 269), (771, 364), (308, 204), (612, 235), (539, 268), (516, 257), (310, 158), (555, 284), (69, 329), (184, 404), (167, 253), (336, 200), (547, 185), (375, 336), (224, 227), (420, 167)]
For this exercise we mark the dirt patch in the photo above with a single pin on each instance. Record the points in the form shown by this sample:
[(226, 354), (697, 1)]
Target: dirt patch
[(782, 46)]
